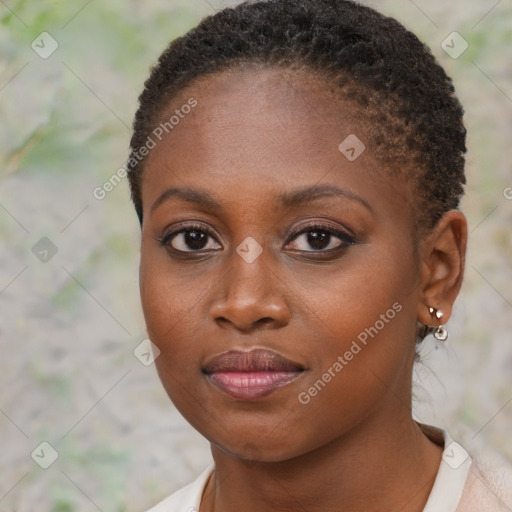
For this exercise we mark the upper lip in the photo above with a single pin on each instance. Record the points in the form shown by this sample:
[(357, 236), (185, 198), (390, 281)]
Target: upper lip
[(255, 360)]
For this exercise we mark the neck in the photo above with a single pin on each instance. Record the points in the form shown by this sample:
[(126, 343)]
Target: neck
[(379, 465)]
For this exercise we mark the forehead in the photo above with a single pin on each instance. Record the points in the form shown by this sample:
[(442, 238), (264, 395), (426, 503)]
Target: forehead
[(255, 133), (274, 111)]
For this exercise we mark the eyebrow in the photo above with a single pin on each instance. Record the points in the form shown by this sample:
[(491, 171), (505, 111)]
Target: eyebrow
[(286, 200)]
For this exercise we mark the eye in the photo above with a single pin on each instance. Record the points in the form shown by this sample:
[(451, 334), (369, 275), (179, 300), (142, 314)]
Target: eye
[(194, 237), (321, 237)]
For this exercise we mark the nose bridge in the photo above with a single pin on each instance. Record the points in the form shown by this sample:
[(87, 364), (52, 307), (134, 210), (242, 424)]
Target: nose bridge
[(250, 270), (251, 292)]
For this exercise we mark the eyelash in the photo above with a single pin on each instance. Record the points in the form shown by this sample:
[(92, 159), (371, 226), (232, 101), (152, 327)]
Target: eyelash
[(345, 237)]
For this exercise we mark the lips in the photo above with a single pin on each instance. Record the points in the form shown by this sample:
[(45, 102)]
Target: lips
[(251, 375)]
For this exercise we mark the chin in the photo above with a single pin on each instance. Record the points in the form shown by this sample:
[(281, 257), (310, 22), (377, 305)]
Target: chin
[(254, 448)]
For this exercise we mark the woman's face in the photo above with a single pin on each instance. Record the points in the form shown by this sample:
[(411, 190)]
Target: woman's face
[(294, 245)]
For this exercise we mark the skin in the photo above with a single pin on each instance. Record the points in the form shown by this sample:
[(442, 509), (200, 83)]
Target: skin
[(254, 135)]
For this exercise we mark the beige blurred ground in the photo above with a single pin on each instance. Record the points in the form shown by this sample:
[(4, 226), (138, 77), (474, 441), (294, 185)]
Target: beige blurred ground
[(68, 326)]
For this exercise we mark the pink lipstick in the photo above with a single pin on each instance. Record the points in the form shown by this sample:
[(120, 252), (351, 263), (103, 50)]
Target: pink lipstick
[(251, 375)]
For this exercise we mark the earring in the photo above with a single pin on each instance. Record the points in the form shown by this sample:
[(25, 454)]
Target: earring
[(440, 333)]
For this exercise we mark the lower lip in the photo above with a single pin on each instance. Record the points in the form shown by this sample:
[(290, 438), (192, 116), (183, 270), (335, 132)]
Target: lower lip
[(251, 385)]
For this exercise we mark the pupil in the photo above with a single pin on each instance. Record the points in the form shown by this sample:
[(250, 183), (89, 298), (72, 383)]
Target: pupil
[(195, 239), (317, 239)]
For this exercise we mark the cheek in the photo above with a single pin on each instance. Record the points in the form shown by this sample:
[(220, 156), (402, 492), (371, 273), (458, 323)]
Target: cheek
[(364, 335), (168, 292), (365, 358), (172, 317), (367, 298), (170, 313)]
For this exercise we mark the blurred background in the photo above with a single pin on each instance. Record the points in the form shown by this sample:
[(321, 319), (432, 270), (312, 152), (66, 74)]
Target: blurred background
[(70, 317)]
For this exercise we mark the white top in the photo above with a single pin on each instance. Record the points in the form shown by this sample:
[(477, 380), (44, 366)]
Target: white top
[(460, 486)]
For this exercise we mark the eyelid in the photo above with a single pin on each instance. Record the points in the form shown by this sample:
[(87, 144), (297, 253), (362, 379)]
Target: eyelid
[(186, 226), (322, 226)]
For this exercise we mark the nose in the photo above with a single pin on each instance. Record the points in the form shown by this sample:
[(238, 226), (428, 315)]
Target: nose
[(250, 296)]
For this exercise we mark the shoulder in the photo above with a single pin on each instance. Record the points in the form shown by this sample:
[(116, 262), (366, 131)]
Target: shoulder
[(186, 499), (487, 489), (468, 482)]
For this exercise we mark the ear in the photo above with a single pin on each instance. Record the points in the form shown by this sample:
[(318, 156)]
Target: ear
[(443, 257)]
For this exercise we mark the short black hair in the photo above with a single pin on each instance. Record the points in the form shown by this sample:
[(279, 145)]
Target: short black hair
[(414, 120)]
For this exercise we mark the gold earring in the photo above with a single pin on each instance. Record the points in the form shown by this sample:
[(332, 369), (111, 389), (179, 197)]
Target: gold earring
[(440, 332)]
